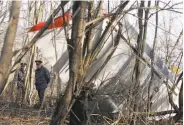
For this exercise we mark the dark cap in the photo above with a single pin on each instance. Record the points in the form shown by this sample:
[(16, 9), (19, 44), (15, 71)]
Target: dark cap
[(23, 64), (38, 61)]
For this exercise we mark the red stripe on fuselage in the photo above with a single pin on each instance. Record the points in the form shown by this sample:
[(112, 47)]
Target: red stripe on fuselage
[(57, 23)]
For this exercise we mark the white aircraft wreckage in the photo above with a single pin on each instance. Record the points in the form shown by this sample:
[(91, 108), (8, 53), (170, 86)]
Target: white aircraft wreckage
[(115, 79)]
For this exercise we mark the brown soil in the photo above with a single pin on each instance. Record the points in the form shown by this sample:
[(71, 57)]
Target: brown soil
[(13, 114)]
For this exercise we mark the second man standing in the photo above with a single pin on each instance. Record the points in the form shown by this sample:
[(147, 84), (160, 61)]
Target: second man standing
[(42, 78)]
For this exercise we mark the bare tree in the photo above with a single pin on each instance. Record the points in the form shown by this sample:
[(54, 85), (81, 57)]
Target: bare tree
[(129, 87), (79, 65), (7, 51), (152, 60)]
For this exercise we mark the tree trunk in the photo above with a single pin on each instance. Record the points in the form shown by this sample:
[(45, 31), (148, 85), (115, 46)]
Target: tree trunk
[(7, 52), (152, 59), (29, 74), (75, 67), (136, 91), (179, 114)]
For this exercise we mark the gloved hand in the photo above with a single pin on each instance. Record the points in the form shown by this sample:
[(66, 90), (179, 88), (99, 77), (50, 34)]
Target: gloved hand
[(49, 85)]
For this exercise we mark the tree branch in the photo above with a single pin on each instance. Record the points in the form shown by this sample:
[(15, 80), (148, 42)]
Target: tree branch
[(38, 35), (153, 57)]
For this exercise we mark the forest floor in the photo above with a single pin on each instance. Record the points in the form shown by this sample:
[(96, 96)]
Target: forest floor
[(13, 114)]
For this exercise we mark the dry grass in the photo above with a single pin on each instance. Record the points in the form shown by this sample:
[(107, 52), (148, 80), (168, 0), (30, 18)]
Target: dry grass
[(23, 120), (13, 114)]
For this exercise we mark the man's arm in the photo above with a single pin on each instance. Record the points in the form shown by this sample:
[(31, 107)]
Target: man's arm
[(47, 75)]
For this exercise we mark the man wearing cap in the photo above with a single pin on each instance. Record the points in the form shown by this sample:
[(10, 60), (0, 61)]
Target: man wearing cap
[(19, 79), (42, 78)]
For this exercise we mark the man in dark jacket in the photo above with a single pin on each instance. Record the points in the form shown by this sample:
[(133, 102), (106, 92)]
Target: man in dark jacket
[(42, 78)]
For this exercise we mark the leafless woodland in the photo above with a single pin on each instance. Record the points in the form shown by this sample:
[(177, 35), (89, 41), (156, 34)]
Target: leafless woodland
[(129, 51)]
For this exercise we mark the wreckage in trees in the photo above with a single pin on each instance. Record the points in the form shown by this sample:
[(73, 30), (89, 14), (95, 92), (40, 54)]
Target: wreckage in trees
[(121, 72), (115, 79)]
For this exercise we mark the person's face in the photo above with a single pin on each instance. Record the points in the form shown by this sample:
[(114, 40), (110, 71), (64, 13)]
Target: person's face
[(23, 66), (38, 65)]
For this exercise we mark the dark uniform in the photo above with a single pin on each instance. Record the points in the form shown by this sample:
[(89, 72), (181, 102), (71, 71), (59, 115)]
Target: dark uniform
[(42, 78), (19, 79)]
